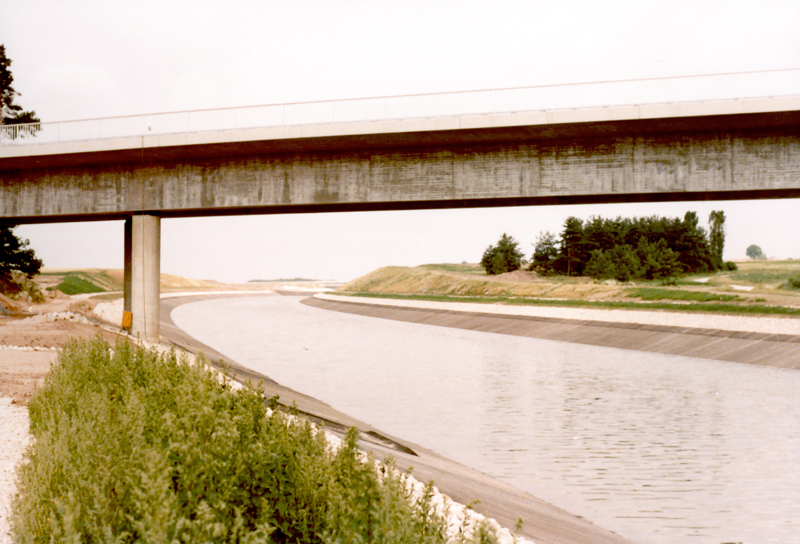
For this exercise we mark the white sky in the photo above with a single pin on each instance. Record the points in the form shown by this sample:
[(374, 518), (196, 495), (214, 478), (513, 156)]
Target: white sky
[(84, 59)]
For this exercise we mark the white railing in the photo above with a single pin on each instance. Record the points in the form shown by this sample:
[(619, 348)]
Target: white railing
[(770, 83)]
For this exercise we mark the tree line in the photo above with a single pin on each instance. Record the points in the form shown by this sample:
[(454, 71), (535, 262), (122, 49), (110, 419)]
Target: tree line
[(623, 248)]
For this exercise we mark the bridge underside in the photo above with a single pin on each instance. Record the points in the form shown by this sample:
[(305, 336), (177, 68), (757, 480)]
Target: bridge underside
[(719, 158)]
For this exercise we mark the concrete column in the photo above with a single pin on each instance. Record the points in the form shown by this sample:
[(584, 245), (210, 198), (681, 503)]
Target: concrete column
[(146, 276), (127, 308)]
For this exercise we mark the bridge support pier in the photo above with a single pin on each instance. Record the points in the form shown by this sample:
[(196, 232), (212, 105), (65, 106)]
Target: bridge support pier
[(142, 284)]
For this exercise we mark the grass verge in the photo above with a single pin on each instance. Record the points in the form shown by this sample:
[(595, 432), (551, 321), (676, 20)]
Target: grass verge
[(133, 446), (752, 309), (75, 285), (650, 293)]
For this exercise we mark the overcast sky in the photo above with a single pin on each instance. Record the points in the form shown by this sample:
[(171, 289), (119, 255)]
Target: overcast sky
[(86, 59)]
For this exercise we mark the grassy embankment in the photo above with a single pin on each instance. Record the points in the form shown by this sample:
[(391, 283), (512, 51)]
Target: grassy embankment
[(110, 281), (91, 280), (132, 446), (758, 287)]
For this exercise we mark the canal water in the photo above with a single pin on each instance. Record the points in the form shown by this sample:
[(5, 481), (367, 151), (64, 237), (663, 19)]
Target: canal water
[(657, 448)]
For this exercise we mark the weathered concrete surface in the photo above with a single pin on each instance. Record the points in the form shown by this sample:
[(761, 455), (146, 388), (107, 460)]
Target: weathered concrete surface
[(736, 346), (549, 157), (145, 285)]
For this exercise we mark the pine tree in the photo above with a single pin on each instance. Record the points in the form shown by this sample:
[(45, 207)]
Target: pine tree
[(15, 256)]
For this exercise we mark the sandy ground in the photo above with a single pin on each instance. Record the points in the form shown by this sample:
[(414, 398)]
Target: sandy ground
[(28, 341)]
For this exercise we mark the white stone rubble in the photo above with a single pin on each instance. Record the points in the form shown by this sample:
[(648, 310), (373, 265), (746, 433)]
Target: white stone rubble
[(110, 312), (14, 439), (27, 348), (49, 317)]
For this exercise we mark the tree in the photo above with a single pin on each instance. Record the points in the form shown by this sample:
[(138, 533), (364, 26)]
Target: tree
[(691, 245), (545, 251), (755, 253), (10, 112), (658, 260), (649, 260), (504, 257), (620, 263), (15, 259), (716, 235), (574, 249)]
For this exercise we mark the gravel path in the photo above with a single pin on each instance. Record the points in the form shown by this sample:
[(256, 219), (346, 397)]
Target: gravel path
[(14, 439)]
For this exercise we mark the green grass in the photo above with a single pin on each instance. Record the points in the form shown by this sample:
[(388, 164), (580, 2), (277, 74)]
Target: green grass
[(74, 285), (792, 283), (99, 278), (133, 446), (760, 277), (647, 293), (751, 309)]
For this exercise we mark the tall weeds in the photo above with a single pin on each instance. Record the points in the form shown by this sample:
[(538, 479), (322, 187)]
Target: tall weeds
[(132, 446)]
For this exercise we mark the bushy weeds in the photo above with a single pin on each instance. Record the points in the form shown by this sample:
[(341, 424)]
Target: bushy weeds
[(20, 287), (792, 283), (133, 446)]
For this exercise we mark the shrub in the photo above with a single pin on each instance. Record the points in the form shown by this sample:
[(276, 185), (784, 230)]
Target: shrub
[(658, 261), (132, 446), (24, 288), (649, 260), (620, 263), (792, 283), (545, 252), (504, 257)]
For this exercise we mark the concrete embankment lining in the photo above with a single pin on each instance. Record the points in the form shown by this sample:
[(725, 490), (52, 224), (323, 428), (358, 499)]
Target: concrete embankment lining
[(768, 341), (543, 523)]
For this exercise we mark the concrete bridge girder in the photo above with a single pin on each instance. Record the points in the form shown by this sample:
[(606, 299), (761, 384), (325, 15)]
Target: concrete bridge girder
[(614, 168), (728, 150)]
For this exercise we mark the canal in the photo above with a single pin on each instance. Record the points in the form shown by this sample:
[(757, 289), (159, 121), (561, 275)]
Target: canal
[(658, 448)]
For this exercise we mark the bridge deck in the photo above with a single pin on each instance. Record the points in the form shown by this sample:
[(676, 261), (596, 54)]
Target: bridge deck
[(435, 131)]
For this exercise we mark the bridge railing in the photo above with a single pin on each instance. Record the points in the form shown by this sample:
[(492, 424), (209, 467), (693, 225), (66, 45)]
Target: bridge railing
[(770, 83)]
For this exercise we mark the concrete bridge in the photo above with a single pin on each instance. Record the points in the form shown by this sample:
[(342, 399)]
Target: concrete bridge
[(123, 168)]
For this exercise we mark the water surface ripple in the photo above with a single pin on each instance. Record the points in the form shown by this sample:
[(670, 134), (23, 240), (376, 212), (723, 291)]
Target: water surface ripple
[(658, 448)]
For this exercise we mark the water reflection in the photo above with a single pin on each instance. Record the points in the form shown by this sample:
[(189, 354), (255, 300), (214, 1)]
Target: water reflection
[(658, 448)]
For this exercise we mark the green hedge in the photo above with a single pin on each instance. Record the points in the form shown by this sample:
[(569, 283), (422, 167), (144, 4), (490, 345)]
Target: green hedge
[(131, 446)]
